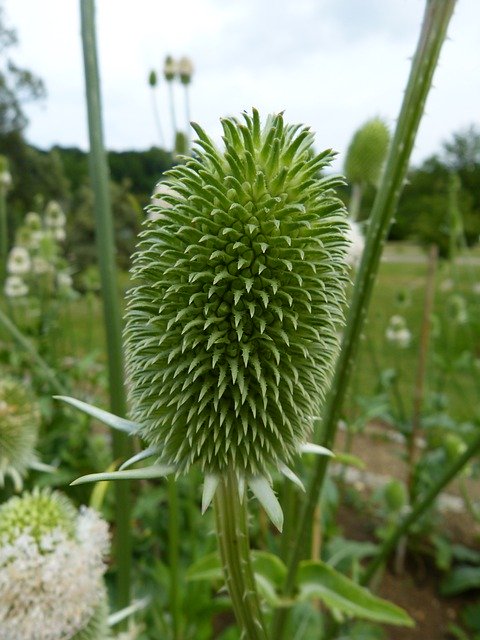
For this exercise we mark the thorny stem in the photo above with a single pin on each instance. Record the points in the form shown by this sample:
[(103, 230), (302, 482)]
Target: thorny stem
[(436, 19), (111, 304), (233, 541)]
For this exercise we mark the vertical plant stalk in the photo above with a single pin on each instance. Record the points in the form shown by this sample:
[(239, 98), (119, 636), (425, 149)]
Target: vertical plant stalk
[(418, 510), (355, 201), (187, 114), (111, 304), (172, 111), (434, 28), (419, 390), (174, 557), (3, 234), (233, 542), (156, 116)]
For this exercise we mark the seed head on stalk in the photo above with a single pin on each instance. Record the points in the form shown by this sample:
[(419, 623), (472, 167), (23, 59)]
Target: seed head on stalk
[(231, 328)]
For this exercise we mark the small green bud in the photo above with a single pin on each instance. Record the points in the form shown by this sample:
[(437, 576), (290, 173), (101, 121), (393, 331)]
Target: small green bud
[(367, 152), (181, 144), (152, 78), (232, 327), (396, 495)]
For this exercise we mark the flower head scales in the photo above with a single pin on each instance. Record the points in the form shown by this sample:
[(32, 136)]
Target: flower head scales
[(232, 325)]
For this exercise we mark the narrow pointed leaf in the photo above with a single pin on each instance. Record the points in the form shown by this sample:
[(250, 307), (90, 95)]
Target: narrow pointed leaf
[(138, 457), (121, 424), (267, 498), (309, 447), (288, 473), (147, 473)]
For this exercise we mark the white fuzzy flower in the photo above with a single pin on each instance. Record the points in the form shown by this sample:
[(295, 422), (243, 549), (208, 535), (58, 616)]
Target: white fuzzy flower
[(64, 280), (52, 585), (59, 234), (357, 243), (33, 220), (397, 332), (185, 69), (41, 266), (18, 261), (15, 287), (5, 179), (54, 216)]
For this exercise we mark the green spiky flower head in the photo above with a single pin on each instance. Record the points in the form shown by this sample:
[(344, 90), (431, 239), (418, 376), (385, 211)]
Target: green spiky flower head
[(51, 569), (367, 152), (19, 424), (232, 325)]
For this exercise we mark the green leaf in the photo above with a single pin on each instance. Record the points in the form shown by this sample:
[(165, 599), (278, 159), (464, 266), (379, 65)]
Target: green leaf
[(461, 579), (337, 592), (107, 418), (146, 473), (207, 568), (210, 485)]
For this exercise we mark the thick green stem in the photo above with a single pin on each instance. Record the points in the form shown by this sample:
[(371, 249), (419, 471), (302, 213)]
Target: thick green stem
[(111, 304), (355, 201), (433, 32), (33, 353), (174, 558), (233, 541), (419, 509)]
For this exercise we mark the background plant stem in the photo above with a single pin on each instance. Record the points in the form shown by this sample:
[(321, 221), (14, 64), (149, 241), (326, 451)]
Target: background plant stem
[(99, 177), (174, 557), (3, 235), (233, 542), (435, 22), (422, 505)]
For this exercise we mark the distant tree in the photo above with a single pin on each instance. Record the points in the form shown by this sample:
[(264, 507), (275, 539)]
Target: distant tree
[(17, 85), (462, 152)]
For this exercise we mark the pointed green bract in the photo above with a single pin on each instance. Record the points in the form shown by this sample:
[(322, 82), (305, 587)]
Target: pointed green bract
[(232, 326)]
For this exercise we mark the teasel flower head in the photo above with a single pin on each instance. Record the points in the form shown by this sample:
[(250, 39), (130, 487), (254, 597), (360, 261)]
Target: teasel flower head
[(19, 425), (185, 70), (367, 152), (232, 326), (51, 569), (170, 68)]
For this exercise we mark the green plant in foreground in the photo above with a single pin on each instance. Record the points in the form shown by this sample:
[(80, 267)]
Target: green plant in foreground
[(51, 569), (232, 328)]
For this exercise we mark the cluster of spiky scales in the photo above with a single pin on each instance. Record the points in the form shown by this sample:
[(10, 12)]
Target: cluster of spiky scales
[(232, 326), (367, 152), (19, 424)]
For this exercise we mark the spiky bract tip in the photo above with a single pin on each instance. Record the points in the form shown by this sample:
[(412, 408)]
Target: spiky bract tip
[(232, 326)]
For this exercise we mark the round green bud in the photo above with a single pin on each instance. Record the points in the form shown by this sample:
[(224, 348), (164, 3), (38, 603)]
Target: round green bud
[(396, 495), (19, 425), (232, 327), (367, 152)]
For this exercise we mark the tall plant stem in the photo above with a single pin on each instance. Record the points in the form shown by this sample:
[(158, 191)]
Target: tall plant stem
[(3, 235), (111, 304), (233, 541), (172, 111), (355, 200), (436, 19), (422, 505), (156, 115), (419, 390), (174, 557), (25, 343)]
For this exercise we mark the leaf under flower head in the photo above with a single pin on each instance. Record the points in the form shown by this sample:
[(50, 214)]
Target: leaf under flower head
[(231, 329)]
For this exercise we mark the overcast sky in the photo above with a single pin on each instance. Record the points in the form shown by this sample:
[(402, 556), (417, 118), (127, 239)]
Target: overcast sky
[(331, 64)]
